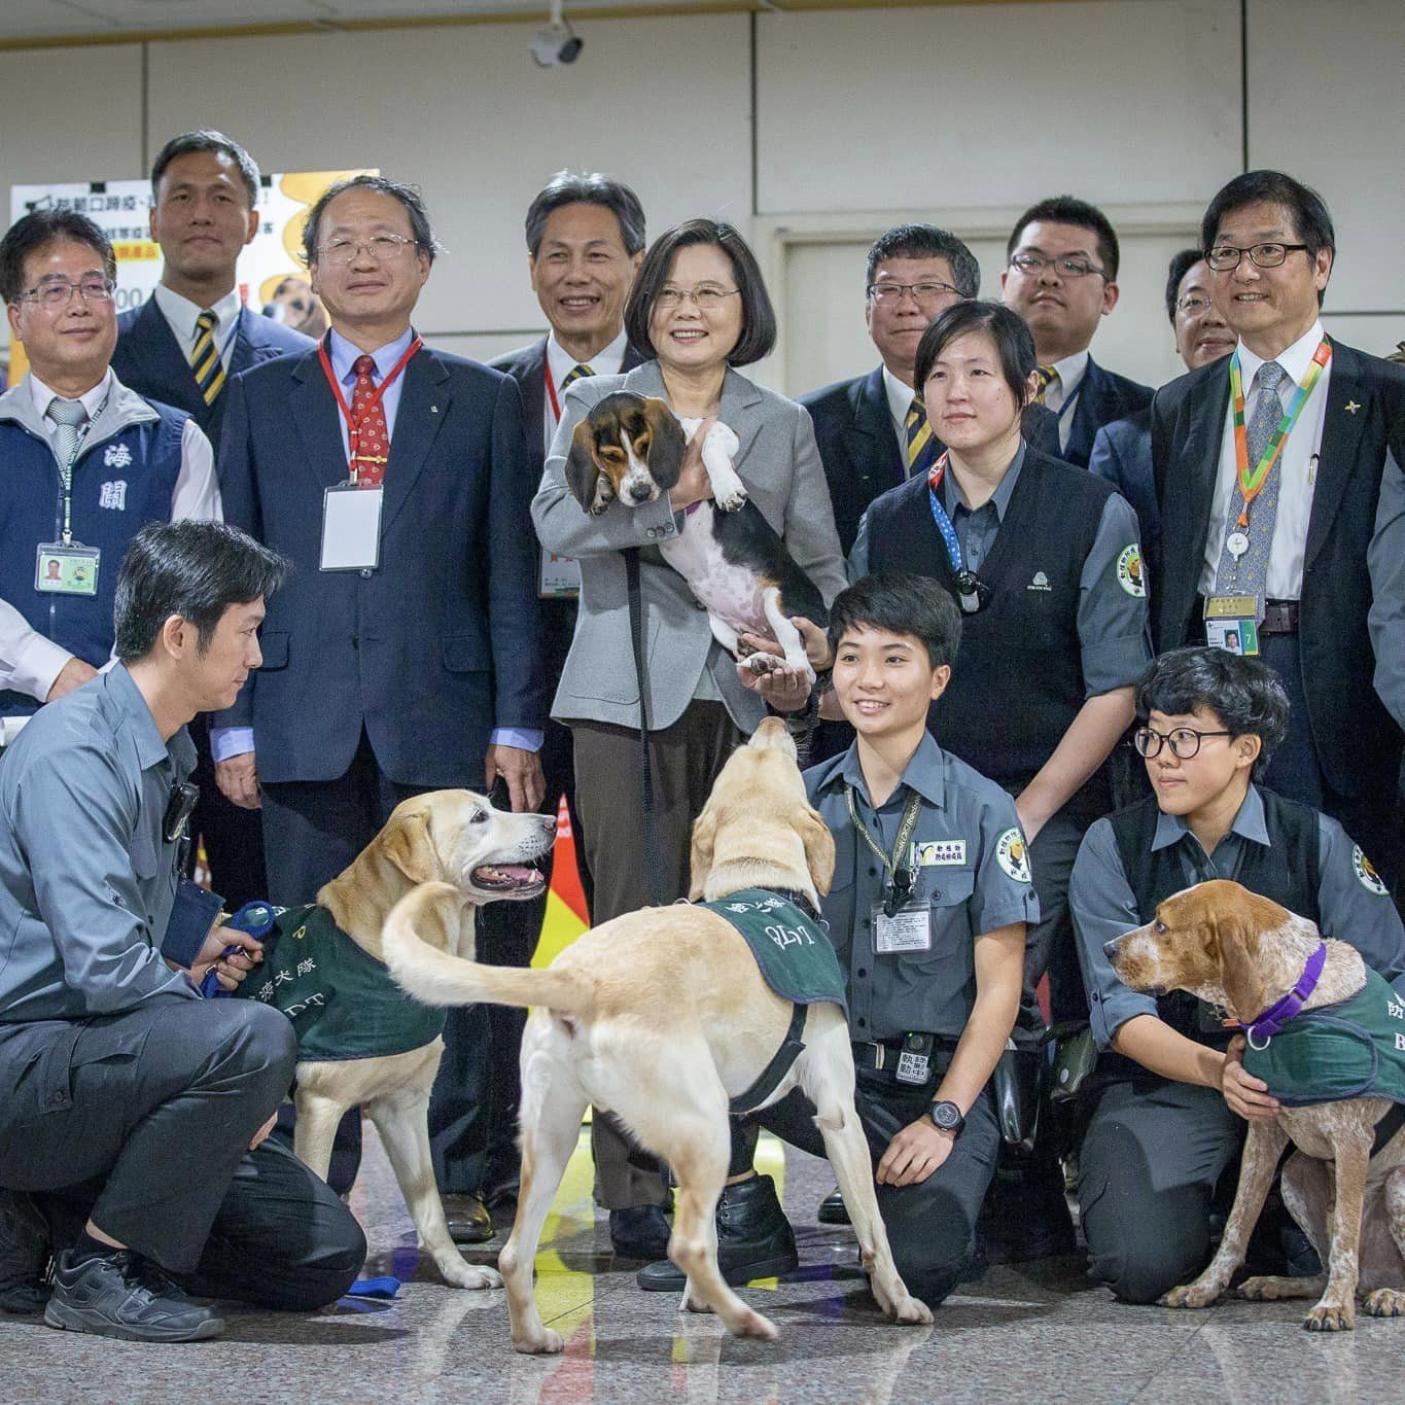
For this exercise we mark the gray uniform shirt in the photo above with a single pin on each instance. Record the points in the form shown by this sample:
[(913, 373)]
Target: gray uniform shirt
[(1352, 901), (90, 894), (972, 876), (1113, 628)]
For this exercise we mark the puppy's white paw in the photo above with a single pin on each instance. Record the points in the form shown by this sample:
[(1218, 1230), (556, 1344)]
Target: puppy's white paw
[(911, 1311), (546, 1343), (457, 1272), (693, 1302), (762, 662), (750, 1323), (730, 494)]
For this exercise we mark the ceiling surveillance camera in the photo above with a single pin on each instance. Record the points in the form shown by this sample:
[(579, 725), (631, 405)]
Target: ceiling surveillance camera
[(557, 43)]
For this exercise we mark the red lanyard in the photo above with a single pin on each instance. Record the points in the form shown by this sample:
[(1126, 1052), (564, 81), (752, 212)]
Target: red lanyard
[(353, 427), (551, 391)]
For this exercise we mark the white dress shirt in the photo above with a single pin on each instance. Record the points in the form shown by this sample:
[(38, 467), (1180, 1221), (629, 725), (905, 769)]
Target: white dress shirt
[(1297, 464), (900, 398), (180, 314), (1063, 391), (560, 363)]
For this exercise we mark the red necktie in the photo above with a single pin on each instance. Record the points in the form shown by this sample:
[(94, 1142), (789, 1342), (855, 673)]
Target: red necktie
[(372, 437)]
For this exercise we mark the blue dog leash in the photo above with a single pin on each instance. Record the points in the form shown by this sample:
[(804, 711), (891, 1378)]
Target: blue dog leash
[(257, 919)]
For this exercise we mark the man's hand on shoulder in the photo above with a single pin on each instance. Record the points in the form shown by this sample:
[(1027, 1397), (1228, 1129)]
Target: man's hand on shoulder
[(72, 675)]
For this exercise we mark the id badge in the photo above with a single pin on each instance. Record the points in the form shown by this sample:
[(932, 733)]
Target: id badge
[(558, 577), (351, 528), (66, 568), (908, 929)]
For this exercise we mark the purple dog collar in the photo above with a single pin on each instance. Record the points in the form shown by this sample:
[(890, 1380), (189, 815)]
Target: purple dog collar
[(1272, 1020)]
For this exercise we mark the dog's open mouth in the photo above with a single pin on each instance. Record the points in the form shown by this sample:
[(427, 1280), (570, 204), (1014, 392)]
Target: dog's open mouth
[(507, 878)]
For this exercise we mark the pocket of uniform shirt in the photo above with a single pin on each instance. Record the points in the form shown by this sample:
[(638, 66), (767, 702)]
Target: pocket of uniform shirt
[(146, 860), (949, 887)]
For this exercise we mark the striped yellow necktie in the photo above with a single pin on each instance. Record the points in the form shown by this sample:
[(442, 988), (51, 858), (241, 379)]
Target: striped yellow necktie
[(205, 359), (921, 446), (576, 373), (1047, 376)]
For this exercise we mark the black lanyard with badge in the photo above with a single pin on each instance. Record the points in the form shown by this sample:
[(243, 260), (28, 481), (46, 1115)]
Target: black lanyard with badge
[(67, 567)]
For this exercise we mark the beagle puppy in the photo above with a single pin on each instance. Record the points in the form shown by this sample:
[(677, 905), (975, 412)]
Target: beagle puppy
[(630, 448)]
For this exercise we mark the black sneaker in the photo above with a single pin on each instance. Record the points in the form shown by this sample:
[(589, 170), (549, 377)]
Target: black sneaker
[(754, 1240), (640, 1232), (106, 1295), (24, 1254), (832, 1209)]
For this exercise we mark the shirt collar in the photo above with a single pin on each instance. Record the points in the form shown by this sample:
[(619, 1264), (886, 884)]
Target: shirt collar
[(951, 494), (900, 398), (91, 399), (1250, 823), (1295, 360), (608, 361), (181, 313), (1071, 371), (344, 355), (122, 689), (925, 773)]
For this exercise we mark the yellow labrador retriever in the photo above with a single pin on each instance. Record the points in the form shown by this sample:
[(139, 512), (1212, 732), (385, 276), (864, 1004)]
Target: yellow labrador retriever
[(662, 1017), (1269, 969), (449, 837)]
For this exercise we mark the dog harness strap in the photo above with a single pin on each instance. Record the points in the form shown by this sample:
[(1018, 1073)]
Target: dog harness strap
[(777, 1069), (1272, 1020)]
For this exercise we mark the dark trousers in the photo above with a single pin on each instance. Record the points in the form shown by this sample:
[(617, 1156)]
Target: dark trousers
[(931, 1226), (233, 837), (684, 759), (141, 1121)]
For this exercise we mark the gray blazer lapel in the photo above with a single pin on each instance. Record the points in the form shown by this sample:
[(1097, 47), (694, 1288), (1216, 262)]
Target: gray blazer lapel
[(741, 412)]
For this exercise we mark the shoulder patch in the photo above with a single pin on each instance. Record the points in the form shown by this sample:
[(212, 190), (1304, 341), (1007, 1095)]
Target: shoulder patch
[(1012, 854), (1129, 570), (1366, 873)]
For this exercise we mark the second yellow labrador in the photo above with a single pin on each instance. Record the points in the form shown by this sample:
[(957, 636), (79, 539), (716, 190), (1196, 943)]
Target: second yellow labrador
[(662, 1017)]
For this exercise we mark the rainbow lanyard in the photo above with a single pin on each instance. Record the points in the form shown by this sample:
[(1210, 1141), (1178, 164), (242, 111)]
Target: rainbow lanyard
[(1252, 480)]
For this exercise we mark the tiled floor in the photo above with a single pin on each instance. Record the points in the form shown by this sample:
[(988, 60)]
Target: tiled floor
[(1041, 1336)]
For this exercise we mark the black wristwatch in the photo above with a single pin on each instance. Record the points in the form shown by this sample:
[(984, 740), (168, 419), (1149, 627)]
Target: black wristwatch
[(946, 1117)]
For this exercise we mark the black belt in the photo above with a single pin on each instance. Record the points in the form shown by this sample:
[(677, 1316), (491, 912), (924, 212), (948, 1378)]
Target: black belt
[(1280, 617), (881, 1055)]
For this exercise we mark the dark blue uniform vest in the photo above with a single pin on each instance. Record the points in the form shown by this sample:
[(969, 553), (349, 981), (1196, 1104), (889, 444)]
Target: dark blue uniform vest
[(1018, 680), (146, 458), (1287, 872)]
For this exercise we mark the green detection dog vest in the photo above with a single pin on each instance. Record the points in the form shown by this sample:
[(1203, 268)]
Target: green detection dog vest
[(343, 1003), (797, 961), (1354, 1049)]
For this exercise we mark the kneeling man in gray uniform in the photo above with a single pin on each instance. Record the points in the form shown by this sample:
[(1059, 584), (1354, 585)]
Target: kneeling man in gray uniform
[(133, 1113)]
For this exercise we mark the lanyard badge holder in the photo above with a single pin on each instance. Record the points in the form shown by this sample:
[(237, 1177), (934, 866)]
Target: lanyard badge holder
[(67, 567), (972, 593), (351, 512), (1232, 621), (899, 924)]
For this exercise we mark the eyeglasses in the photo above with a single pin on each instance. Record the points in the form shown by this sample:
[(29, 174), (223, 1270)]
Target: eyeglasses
[(894, 293), (381, 247), (1193, 305), (1183, 741), (55, 293), (1224, 257), (1070, 267), (707, 298)]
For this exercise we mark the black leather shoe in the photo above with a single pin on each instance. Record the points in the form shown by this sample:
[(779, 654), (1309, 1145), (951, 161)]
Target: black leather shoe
[(832, 1209), (24, 1254), (469, 1220), (754, 1240), (640, 1232), (105, 1295)]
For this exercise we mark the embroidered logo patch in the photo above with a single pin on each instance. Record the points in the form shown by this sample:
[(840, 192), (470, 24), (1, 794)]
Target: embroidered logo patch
[(1370, 879), (113, 495), (1012, 855), (1129, 571), (117, 456), (1040, 582), (929, 852)]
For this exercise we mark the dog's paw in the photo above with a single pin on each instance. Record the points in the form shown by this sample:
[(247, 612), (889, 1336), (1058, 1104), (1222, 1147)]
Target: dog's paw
[(1271, 1288), (750, 1323), (1192, 1295), (1384, 1302), (546, 1343), (693, 1301), (459, 1273), (762, 662), (1331, 1317), (731, 497), (911, 1312)]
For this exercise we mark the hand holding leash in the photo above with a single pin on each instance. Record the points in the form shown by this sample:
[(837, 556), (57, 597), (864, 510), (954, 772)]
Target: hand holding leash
[(228, 955)]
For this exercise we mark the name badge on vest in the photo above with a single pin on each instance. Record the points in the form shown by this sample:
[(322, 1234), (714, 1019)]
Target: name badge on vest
[(1232, 623), (351, 528), (908, 929), (66, 568), (559, 577)]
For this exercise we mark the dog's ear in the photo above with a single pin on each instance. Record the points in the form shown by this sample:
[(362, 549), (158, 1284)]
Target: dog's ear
[(667, 445), (582, 472), (1238, 948), (700, 860), (819, 849), (406, 843)]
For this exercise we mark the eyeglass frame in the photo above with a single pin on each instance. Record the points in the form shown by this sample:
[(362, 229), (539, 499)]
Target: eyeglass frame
[(1164, 739), (880, 292), (332, 253), (1209, 254), (1203, 304), (1041, 262), (37, 293), (669, 297)]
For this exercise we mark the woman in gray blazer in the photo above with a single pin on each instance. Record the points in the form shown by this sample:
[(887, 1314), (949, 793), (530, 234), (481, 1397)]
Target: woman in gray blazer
[(699, 308)]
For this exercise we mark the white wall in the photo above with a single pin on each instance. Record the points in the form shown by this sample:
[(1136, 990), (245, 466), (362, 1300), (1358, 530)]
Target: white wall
[(963, 113)]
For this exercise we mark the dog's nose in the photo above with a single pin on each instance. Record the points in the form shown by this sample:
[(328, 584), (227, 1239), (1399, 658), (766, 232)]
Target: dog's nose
[(639, 492), (1110, 948)]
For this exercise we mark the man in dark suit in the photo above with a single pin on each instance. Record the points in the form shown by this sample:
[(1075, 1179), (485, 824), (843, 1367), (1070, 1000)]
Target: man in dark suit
[(1122, 449), (871, 438), (1062, 279), (402, 655), (179, 347), (1285, 550)]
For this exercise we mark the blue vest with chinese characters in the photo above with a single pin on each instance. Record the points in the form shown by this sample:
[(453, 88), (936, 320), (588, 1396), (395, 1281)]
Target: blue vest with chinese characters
[(119, 485)]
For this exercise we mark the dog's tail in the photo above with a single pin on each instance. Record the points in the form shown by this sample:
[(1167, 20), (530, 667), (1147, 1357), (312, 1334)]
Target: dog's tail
[(429, 973)]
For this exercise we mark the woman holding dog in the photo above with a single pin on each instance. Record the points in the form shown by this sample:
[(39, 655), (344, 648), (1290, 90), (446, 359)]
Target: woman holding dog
[(699, 309)]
